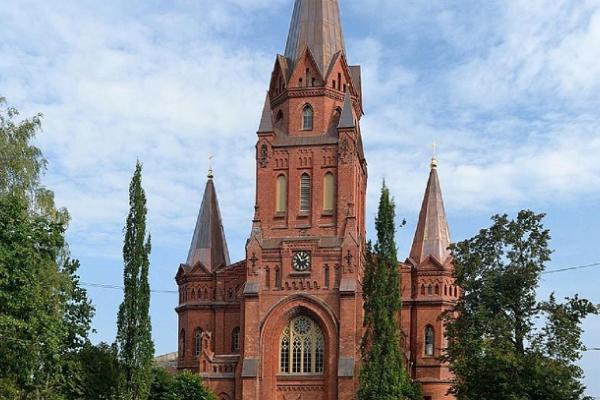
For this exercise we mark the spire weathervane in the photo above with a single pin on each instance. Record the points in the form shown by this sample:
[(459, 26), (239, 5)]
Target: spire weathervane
[(434, 161), (210, 170)]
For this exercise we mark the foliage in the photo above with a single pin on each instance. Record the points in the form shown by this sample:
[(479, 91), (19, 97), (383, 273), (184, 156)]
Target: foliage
[(100, 372), (134, 340), (383, 375), (183, 386), (503, 343), (45, 315), (188, 386), (22, 163), (162, 381)]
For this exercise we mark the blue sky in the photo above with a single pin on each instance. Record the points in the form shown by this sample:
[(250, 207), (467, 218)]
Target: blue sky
[(510, 91)]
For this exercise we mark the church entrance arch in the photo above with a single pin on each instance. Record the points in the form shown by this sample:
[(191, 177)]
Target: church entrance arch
[(299, 345)]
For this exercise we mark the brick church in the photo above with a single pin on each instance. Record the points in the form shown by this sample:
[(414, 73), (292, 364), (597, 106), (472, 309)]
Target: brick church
[(285, 323)]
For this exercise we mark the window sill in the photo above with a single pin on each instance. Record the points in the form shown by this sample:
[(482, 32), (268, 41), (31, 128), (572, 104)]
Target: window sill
[(293, 377), (280, 215), (300, 274), (327, 213), (304, 214)]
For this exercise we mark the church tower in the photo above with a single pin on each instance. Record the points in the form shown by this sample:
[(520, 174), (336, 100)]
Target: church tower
[(428, 291), (302, 308), (286, 322)]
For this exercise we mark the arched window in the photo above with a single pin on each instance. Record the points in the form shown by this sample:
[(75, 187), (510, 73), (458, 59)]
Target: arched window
[(305, 193), (182, 344), (328, 192), (307, 120), (302, 347), (429, 341), (198, 342), (281, 194), (235, 340)]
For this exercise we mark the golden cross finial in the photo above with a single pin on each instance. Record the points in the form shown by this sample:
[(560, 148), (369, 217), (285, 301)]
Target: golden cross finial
[(434, 162), (210, 170)]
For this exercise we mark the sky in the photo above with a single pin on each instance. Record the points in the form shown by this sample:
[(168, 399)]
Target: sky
[(509, 91)]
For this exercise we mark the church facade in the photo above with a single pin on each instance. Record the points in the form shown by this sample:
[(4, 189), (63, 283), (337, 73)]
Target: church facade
[(285, 323)]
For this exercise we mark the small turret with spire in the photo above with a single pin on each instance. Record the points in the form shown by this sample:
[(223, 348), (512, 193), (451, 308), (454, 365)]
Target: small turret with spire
[(432, 237), (209, 246)]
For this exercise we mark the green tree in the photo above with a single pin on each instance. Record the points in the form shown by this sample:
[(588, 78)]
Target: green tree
[(383, 375), (162, 381), (188, 386), (503, 343), (100, 376), (134, 337), (22, 164), (45, 315)]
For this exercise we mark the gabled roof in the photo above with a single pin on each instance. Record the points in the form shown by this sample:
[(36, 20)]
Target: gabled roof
[(433, 236), (209, 246), (316, 25)]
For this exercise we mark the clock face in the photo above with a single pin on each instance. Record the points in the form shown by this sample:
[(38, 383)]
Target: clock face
[(301, 261)]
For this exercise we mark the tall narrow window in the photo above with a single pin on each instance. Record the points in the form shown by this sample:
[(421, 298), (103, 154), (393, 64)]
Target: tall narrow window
[(305, 193), (235, 340), (182, 344), (198, 342), (429, 341), (302, 347), (281, 194), (307, 120), (328, 192), (277, 278)]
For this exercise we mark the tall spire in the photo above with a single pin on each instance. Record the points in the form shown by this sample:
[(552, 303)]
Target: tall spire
[(316, 24), (433, 236), (209, 246)]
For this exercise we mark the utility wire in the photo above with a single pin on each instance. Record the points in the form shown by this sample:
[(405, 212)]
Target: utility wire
[(116, 287), (554, 271)]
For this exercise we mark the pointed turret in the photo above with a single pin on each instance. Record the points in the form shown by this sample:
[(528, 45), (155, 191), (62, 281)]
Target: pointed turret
[(209, 246), (266, 121), (433, 236), (347, 119), (316, 24)]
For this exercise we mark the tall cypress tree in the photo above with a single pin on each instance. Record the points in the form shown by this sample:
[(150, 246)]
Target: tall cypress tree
[(134, 339), (383, 375)]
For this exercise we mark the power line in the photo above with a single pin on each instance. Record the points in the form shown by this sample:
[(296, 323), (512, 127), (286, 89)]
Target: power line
[(162, 291), (116, 287), (554, 271)]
